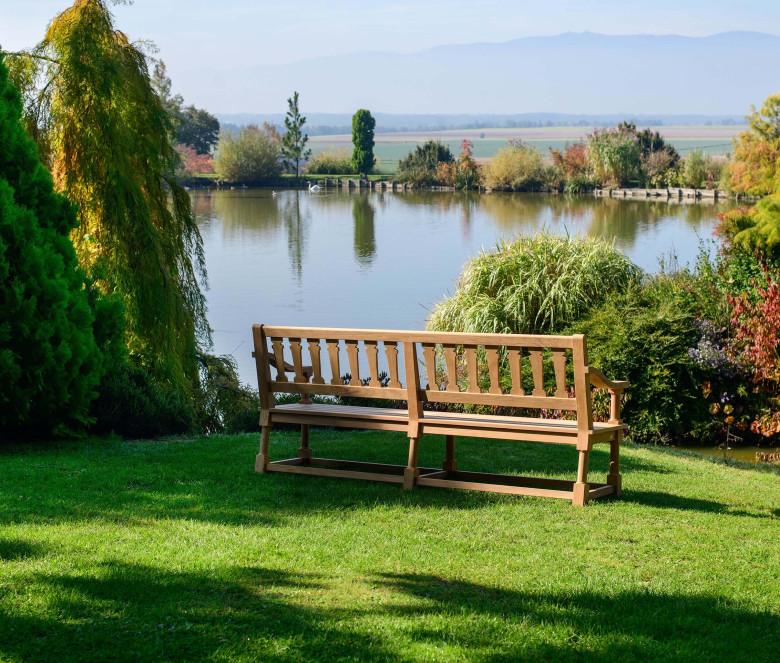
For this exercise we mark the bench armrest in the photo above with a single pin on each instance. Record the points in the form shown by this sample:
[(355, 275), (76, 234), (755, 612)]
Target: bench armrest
[(289, 368), (598, 380), (615, 387)]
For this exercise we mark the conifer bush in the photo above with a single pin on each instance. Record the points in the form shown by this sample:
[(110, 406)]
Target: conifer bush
[(50, 361)]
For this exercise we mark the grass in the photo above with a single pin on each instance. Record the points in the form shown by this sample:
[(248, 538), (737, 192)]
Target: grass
[(176, 550)]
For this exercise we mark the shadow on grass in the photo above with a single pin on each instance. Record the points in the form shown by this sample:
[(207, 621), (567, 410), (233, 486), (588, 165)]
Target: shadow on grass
[(14, 550), (131, 612), (584, 625), (679, 502), (213, 479)]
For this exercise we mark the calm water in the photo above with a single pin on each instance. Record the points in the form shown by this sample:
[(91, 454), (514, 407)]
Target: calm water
[(745, 454), (381, 260)]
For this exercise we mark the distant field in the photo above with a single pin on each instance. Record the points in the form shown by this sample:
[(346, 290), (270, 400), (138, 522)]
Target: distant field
[(390, 147)]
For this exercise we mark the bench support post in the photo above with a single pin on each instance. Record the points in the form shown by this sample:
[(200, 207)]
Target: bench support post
[(580, 493), (614, 478), (262, 460), (449, 458), (304, 451), (412, 472)]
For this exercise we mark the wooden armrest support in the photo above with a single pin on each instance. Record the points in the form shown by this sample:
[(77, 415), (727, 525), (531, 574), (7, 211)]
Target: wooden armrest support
[(288, 367), (598, 380)]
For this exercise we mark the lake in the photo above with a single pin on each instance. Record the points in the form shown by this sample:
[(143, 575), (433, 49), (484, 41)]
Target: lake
[(350, 258)]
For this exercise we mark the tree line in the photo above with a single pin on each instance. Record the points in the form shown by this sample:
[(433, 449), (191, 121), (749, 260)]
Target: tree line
[(252, 154)]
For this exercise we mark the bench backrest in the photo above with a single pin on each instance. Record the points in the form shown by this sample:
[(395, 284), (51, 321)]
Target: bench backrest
[(302, 356)]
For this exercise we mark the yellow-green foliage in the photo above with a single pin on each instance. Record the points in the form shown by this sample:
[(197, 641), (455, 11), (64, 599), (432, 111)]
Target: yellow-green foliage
[(754, 169), (331, 162), (111, 153), (756, 227), (250, 155), (516, 167), (533, 284), (701, 170)]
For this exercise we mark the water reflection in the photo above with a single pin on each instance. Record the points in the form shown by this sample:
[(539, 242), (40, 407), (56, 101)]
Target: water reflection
[(296, 220), (380, 260), (364, 237)]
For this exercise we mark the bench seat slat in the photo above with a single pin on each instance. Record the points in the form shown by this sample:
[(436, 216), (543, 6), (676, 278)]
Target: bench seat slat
[(454, 419)]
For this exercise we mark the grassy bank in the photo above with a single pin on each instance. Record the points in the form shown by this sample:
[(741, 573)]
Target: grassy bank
[(176, 550)]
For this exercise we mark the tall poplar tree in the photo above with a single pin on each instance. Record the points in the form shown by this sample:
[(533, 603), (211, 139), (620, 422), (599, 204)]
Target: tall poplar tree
[(363, 125), (294, 140)]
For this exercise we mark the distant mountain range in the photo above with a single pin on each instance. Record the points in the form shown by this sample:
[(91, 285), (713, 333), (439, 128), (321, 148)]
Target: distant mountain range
[(579, 75)]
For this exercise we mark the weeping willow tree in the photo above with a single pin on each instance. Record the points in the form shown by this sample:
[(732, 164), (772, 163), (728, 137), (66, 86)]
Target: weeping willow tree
[(107, 139)]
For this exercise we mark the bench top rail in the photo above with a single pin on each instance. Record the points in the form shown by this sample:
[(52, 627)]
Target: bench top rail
[(400, 336), (499, 370)]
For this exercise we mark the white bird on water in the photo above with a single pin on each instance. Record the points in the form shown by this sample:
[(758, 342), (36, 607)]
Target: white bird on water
[(316, 187)]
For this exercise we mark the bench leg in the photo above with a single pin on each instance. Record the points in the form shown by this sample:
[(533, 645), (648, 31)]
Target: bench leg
[(614, 478), (580, 497), (262, 460), (449, 458), (304, 451), (411, 472)]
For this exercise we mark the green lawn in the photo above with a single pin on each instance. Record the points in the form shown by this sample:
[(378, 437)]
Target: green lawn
[(177, 550)]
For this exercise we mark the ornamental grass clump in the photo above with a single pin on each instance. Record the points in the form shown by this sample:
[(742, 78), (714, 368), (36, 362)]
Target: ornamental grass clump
[(533, 284)]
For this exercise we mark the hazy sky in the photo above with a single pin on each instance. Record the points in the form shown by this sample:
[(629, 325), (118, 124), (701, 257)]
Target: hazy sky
[(233, 34)]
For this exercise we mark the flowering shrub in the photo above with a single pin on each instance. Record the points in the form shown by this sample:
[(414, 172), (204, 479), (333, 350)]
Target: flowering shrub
[(715, 354)]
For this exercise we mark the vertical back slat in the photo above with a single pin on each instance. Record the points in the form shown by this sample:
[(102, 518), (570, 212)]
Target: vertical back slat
[(333, 354), (413, 387), (537, 368), (279, 356), (391, 352), (492, 359), (316, 367), (429, 354), (559, 364), (451, 361), (472, 369), (297, 355), (373, 364), (354, 367), (516, 372)]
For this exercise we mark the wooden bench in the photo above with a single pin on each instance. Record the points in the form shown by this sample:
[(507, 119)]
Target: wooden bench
[(451, 360)]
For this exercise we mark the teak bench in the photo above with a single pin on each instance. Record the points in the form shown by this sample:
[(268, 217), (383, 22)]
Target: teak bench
[(476, 356)]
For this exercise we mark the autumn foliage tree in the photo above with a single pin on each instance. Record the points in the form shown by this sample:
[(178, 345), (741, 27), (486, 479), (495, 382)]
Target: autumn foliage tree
[(573, 160), (756, 319), (755, 170), (755, 167)]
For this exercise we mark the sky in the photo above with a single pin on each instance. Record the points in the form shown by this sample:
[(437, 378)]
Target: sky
[(215, 35)]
